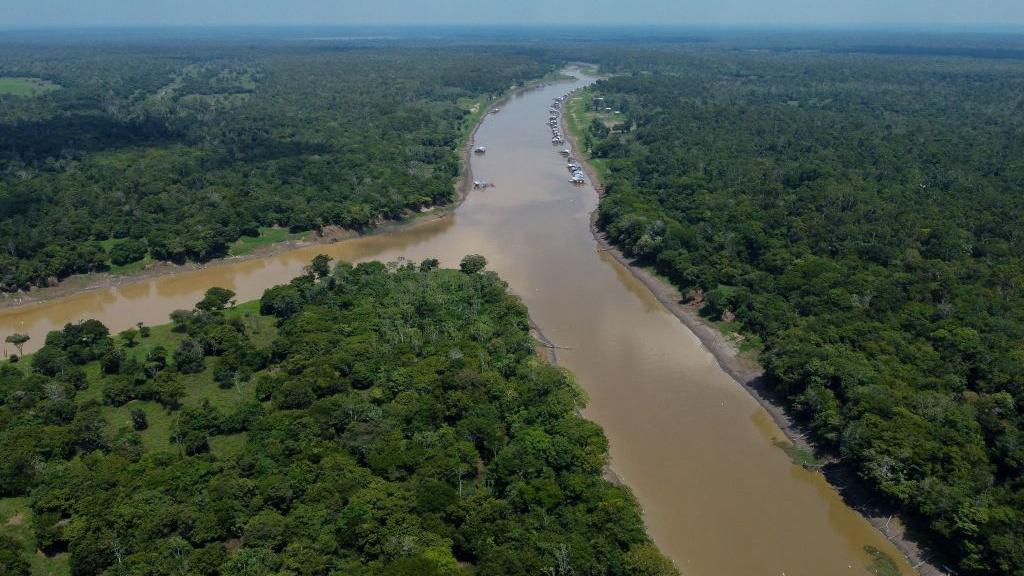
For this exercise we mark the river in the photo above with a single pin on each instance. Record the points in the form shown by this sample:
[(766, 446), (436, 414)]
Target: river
[(718, 496)]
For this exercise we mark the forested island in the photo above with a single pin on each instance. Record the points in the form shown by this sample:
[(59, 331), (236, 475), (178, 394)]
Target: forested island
[(132, 153), (371, 419), (858, 220)]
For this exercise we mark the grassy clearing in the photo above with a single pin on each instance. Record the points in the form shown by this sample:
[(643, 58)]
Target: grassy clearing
[(227, 445), (198, 387), (881, 563), (800, 456), (14, 86), (248, 244), (555, 76), (244, 245), (155, 438), (744, 341), (15, 513), (476, 109), (16, 522), (129, 268), (577, 120)]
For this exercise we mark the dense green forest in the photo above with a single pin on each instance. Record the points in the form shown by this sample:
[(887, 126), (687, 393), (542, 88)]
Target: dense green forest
[(158, 152), (360, 420), (862, 219)]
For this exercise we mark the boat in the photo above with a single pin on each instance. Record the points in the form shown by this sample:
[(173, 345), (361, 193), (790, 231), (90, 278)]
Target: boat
[(480, 150)]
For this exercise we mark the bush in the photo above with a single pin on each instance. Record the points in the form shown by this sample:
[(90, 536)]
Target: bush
[(128, 251), (139, 420)]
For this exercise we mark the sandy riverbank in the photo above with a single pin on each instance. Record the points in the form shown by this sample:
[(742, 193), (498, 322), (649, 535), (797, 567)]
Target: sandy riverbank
[(749, 374)]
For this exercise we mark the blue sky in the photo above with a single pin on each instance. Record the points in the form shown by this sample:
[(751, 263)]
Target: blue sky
[(47, 13)]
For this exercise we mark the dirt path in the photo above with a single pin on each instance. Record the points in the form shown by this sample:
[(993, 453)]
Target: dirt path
[(747, 372)]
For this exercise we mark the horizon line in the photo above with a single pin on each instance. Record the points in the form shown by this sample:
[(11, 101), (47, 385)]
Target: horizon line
[(810, 26)]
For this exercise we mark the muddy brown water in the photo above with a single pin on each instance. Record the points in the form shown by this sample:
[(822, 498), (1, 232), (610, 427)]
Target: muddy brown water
[(718, 496)]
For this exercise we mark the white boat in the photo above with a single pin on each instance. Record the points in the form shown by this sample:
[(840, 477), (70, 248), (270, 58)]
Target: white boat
[(480, 149)]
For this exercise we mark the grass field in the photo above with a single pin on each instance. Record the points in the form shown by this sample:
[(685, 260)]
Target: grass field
[(198, 387), (12, 86), (577, 120), (799, 456), (881, 563), (248, 244)]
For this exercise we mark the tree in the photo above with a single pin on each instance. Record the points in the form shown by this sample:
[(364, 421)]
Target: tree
[(473, 263), (215, 299), (129, 337), (265, 530), (188, 358), (127, 251), (139, 420), (280, 301), (111, 361), (320, 266), (19, 341)]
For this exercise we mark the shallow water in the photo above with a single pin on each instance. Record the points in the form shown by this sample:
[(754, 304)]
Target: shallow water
[(719, 497)]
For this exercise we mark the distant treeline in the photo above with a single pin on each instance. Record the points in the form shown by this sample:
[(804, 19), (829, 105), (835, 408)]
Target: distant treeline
[(964, 51), (862, 219), (176, 152)]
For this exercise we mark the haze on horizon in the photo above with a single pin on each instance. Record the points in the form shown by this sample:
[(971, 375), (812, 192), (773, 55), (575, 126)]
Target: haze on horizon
[(95, 13)]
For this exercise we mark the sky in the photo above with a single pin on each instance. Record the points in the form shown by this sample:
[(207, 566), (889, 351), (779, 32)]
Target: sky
[(93, 13)]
